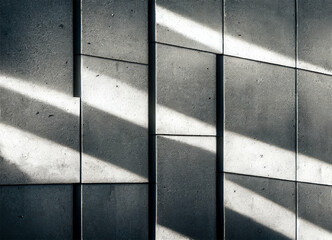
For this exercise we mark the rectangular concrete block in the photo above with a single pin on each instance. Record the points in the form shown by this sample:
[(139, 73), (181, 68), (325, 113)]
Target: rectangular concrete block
[(315, 35), (315, 132), (259, 208), (115, 29), (314, 212), (186, 91), (262, 30), (39, 117), (36, 212), (191, 24), (186, 188), (115, 120), (259, 119), (115, 211)]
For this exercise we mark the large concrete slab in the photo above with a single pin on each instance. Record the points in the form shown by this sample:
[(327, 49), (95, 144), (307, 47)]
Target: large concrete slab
[(39, 118), (186, 91), (263, 30), (115, 120), (115, 211), (115, 29), (191, 24), (315, 35), (186, 188), (36, 212), (315, 131), (314, 212), (259, 208), (259, 119)]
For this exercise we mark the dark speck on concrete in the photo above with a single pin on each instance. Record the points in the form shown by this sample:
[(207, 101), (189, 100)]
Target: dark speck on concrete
[(51, 115), (61, 26), (37, 113)]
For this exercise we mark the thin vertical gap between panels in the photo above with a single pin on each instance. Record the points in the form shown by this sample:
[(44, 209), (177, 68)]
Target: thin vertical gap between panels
[(77, 47), (296, 118)]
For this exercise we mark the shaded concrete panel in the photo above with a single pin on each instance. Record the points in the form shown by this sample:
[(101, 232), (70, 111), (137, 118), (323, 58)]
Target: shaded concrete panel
[(115, 211), (261, 30), (259, 119), (115, 29), (115, 119), (36, 212), (193, 24), (315, 35), (259, 208), (186, 188), (186, 91), (314, 211), (315, 129)]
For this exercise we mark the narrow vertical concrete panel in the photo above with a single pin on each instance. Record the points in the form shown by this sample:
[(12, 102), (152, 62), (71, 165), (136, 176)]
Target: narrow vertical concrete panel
[(191, 24), (315, 35), (115, 29), (115, 120), (36, 212), (186, 91), (315, 131), (261, 29), (314, 212), (39, 117), (259, 208), (115, 211), (259, 119), (186, 188)]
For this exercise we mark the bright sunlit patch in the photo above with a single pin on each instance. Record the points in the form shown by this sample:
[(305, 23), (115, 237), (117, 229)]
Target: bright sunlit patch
[(168, 234)]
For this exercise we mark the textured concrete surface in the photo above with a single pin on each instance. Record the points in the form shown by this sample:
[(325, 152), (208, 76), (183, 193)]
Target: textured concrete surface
[(259, 119), (314, 212), (115, 29), (259, 208), (315, 132), (115, 211), (186, 91), (36, 212), (261, 29), (115, 119), (186, 187), (192, 24), (315, 35)]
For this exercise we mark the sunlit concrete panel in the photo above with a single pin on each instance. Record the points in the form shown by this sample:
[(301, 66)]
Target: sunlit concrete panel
[(315, 131), (115, 120), (192, 24), (186, 91), (259, 208), (315, 35), (259, 119), (261, 29), (186, 188), (115, 29), (314, 212), (115, 211), (36, 212)]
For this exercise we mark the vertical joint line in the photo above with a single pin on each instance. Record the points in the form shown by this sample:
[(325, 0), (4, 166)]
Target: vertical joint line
[(296, 118)]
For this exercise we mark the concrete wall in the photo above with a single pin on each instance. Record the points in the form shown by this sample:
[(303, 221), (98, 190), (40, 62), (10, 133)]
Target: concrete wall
[(161, 119)]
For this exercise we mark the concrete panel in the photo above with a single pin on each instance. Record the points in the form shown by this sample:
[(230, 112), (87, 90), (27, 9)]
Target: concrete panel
[(115, 119), (315, 131), (314, 212), (115, 29), (259, 208), (186, 91), (192, 24), (261, 29), (259, 119), (39, 122), (36, 212), (115, 211), (315, 35), (186, 188)]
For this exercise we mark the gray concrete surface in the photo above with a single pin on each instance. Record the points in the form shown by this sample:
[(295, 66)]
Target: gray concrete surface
[(115, 211), (36, 212), (259, 119), (115, 29)]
